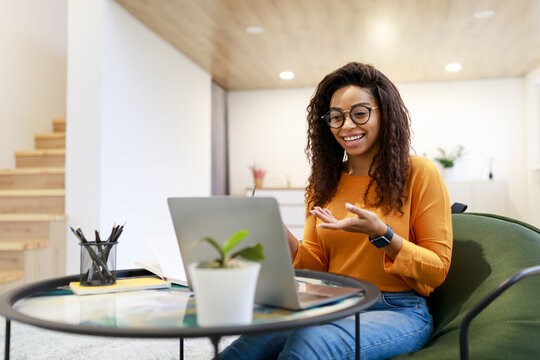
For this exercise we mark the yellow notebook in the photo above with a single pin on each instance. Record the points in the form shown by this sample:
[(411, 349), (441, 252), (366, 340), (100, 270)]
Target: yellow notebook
[(131, 284)]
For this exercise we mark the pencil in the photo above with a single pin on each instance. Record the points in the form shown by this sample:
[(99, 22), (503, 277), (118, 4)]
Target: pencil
[(113, 231), (119, 232), (76, 234), (82, 237)]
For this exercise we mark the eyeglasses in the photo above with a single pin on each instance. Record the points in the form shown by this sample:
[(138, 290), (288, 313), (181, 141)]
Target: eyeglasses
[(359, 114)]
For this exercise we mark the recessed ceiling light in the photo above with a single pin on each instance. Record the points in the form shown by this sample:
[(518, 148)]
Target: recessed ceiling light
[(254, 29), (286, 75), (453, 67), (484, 14)]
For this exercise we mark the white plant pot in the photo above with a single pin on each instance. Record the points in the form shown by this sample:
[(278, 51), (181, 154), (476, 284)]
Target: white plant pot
[(224, 296), (449, 174)]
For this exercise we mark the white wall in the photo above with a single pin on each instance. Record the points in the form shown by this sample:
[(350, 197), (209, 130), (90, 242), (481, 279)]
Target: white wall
[(532, 127), (83, 127), (139, 128), (32, 72), (268, 127), (485, 116)]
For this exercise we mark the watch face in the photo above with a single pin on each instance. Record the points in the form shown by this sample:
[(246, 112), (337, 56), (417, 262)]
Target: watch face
[(380, 242)]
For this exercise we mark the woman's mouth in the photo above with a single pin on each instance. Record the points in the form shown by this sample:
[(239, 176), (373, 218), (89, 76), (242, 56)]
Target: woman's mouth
[(353, 139)]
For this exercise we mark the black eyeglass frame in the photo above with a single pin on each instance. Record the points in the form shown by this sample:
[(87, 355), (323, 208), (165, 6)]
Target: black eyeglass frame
[(326, 117)]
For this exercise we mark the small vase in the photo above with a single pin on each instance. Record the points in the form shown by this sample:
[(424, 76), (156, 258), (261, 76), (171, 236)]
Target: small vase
[(224, 296), (259, 183)]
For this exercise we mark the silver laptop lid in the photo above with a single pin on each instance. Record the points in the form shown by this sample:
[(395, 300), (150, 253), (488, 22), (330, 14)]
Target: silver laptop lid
[(219, 217)]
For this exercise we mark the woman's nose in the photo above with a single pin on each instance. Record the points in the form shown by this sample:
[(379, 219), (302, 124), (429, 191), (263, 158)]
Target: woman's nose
[(347, 121)]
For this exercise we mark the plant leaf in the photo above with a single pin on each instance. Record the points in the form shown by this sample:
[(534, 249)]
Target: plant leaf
[(218, 248), (252, 253), (234, 240)]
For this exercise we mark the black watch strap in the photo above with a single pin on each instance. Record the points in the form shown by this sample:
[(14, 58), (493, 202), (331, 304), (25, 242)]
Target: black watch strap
[(384, 240)]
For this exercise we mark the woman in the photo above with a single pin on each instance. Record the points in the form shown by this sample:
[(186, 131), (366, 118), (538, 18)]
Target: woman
[(375, 213)]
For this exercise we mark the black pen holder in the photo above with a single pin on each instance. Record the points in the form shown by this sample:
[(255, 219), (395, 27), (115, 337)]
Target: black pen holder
[(98, 263)]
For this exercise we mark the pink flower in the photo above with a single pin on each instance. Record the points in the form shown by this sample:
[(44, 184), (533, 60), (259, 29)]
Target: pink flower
[(258, 173)]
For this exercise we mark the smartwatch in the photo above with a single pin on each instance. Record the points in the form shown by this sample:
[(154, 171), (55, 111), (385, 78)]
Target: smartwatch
[(384, 240)]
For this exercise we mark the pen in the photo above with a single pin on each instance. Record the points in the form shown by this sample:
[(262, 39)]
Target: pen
[(253, 190)]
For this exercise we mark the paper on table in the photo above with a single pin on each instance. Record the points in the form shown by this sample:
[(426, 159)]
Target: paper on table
[(167, 262)]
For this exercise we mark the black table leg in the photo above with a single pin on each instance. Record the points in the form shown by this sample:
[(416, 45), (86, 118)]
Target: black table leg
[(357, 337), (181, 348), (8, 338), (215, 342)]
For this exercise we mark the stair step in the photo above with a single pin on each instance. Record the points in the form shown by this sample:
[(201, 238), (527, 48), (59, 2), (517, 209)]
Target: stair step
[(23, 244), (33, 178), (59, 125), (12, 260), (43, 201), (31, 217), (28, 256), (56, 140), (41, 158), (7, 276), (27, 226)]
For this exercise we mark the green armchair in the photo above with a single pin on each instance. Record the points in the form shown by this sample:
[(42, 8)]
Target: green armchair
[(488, 251)]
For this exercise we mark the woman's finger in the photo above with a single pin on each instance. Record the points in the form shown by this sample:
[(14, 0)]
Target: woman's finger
[(364, 214), (354, 209), (323, 214)]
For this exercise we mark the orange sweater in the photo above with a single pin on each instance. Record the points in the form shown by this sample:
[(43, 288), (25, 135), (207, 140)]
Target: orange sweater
[(425, 226)]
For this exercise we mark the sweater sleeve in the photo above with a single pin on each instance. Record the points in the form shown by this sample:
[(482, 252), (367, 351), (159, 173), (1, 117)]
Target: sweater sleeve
[(424, 259), (311, 254)]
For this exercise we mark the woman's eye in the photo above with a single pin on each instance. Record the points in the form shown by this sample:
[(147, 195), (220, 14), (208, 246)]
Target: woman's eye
[(360, 113)]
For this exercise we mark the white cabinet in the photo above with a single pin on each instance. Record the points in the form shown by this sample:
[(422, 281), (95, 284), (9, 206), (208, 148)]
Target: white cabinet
[(291, 207), (480, 196)]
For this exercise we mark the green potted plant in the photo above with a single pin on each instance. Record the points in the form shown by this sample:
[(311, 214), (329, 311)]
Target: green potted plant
[(448, 159), (225, 287)]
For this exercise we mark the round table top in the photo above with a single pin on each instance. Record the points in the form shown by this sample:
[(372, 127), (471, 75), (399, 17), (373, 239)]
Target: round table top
[(164, 313)]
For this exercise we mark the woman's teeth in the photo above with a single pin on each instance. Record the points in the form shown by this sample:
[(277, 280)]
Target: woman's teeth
[(353, 138)]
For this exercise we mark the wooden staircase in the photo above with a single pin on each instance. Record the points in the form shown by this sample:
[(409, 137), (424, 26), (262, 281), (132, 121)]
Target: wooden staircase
[(32, 219)]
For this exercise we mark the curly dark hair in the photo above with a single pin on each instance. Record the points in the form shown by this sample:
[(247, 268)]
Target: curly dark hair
[(389, 167)]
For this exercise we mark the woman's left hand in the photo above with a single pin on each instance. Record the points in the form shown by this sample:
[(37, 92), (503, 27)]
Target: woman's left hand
[(364, 222)]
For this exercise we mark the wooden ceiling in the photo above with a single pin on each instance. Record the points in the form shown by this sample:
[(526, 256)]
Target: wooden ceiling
[(409, 40)]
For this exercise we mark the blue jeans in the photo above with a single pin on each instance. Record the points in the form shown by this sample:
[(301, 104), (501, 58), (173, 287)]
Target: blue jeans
[(398, 323)]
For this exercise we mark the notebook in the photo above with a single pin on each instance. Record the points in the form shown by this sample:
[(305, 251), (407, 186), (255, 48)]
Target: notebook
[(167, 262), (131, 284), (219, 217)]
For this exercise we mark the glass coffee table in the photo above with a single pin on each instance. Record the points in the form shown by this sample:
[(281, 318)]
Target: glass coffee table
[(165, 313)]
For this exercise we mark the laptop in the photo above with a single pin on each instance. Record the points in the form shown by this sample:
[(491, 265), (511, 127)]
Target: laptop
[(221, 216)]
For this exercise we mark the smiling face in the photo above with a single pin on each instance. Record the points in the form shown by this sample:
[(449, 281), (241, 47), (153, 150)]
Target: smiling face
[(361, 142)]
